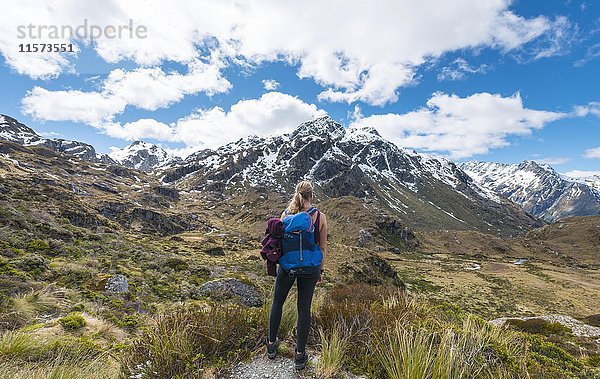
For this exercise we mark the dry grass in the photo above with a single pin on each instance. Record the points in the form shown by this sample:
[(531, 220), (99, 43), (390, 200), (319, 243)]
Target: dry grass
[(22, 309), (187, 340), (333, 351)]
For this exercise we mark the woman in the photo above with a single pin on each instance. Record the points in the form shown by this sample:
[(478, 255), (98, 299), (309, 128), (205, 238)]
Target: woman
[(301, 202)]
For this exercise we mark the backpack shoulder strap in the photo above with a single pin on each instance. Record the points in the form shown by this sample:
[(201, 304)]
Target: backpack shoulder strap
[(317, 228)]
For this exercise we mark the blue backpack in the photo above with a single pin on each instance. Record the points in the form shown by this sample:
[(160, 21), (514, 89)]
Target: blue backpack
[(301, 256)]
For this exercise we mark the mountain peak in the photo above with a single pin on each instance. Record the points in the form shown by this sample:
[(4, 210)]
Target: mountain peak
[(536, 166), (321, 126), (142, 156), (13, 130), (362, 133)]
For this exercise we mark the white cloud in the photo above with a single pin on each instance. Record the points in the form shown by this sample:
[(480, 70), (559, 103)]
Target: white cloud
[(553, 160), (459, 126), (458, 69), (592, 108), (356, 52), (270, 84), (152, 88), (272, 113), (144, 88), (592, 153), (582, 174), (87, 107)]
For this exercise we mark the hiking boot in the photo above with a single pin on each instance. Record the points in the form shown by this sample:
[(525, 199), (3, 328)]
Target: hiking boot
[(272, 348), (300, 359)]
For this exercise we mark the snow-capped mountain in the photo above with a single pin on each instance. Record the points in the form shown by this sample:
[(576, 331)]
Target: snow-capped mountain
[(143, 156), (14, 131), (592, 180), (538, 188), (424, 191)]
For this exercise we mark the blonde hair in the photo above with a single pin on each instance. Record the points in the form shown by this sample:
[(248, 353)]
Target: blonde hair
[(303, 194)]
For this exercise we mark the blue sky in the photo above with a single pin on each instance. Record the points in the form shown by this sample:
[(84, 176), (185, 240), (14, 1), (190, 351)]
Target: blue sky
[(505, 81)]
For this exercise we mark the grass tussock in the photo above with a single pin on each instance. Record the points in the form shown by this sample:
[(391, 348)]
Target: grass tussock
[(26, 355), (62, 368), (388, 334), (333, 351), (22, 309), (183, 342)]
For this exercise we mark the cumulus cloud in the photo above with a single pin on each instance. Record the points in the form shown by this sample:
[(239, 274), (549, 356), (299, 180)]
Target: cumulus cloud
[(270, 84), (87, 107), (592, 153), (272, 113), (461, 126), (144, 88), (356, 53)]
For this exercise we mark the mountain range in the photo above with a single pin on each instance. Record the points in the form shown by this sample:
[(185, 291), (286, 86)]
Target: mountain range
[(538, 188), (421, 190)]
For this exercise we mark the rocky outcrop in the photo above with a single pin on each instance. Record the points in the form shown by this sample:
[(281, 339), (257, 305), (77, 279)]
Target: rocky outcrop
[(578, 328), (372, 270), (231, 288)]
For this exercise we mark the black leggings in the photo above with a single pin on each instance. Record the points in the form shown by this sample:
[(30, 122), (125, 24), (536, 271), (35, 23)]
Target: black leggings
[(283, 284)]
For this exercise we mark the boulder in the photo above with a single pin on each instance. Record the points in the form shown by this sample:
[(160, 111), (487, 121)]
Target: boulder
[(364, 237), (117, 283)]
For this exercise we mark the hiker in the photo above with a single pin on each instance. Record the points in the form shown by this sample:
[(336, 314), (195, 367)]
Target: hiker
[(303, 248)]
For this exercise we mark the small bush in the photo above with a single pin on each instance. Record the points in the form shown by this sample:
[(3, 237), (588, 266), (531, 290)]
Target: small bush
[(73, 321), (593, 320), (539, 326), (33, 264), (38, 246)]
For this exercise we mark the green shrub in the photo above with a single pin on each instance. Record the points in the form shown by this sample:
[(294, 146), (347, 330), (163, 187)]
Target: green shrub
[(593, 320), (175, 263), (33, 264), (73, 321), (539, 326), (550, 357), (38, 246)]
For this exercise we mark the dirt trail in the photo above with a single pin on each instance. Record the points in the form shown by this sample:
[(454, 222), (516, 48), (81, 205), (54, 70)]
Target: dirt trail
[(281, 367)]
